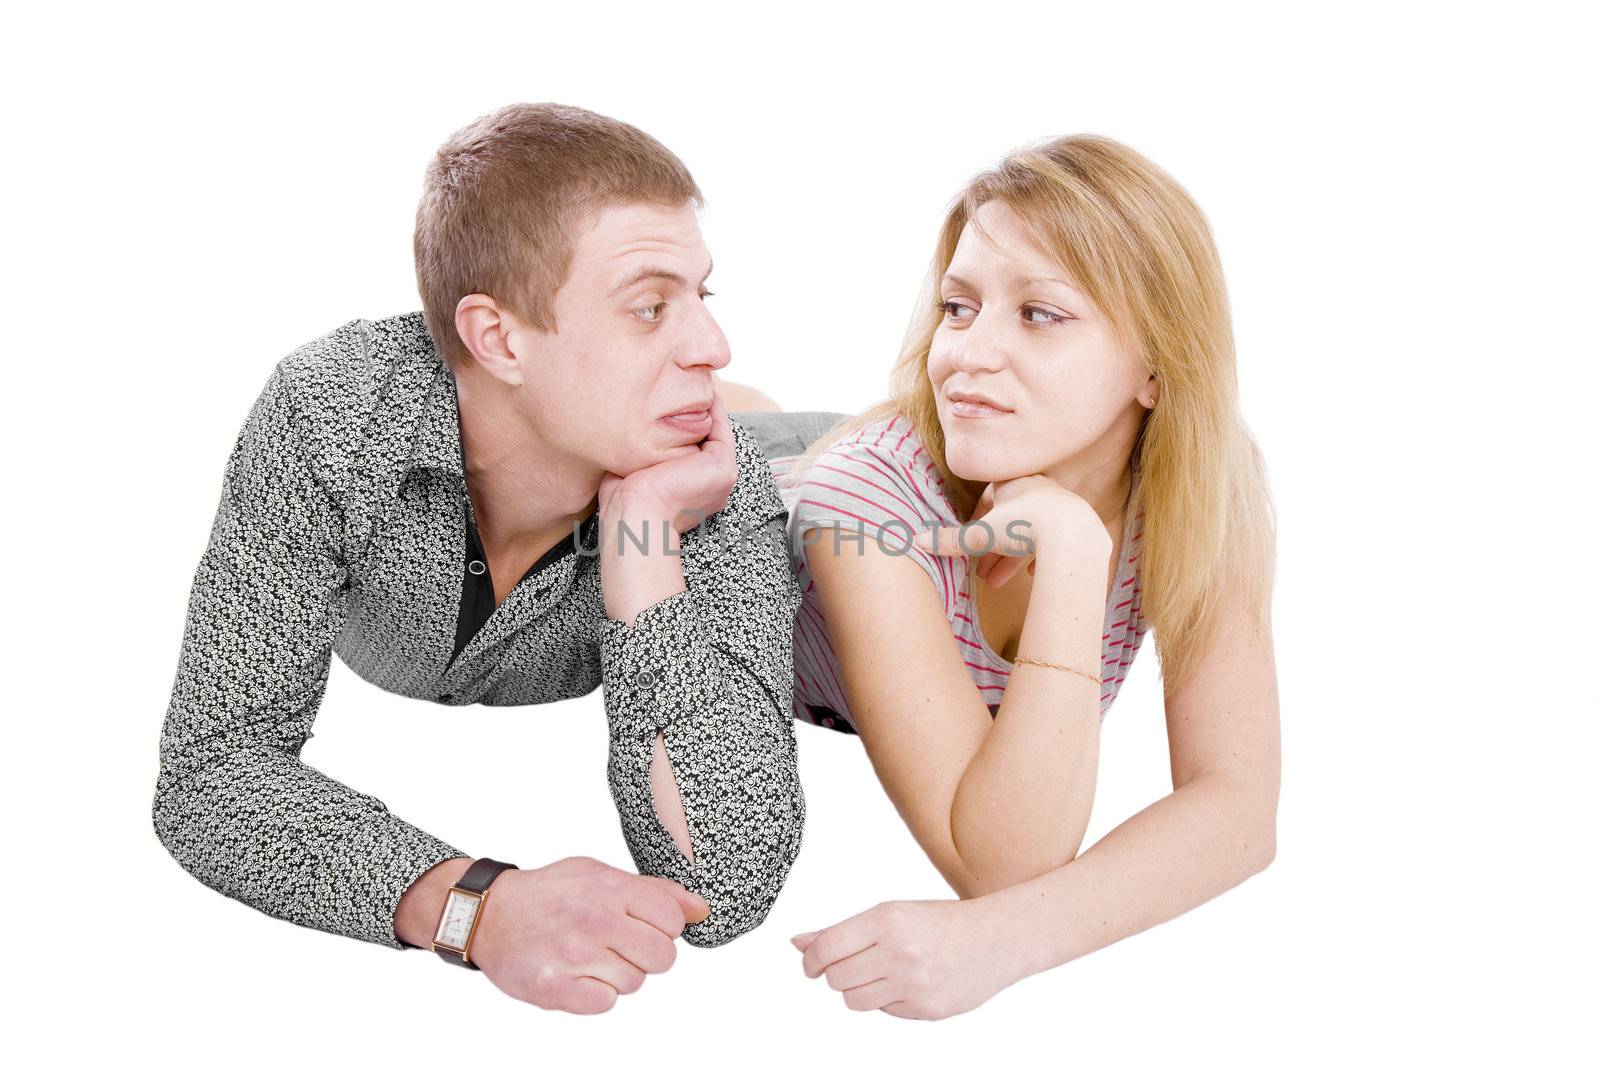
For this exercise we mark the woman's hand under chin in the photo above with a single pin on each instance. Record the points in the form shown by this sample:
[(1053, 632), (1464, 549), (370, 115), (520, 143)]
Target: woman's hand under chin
[(918, 959), (1017, 520)]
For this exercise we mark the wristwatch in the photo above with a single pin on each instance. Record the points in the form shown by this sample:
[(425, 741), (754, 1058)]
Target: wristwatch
[(463, 905)]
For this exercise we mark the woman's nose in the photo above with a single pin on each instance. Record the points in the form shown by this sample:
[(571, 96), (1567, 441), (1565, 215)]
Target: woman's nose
[(976, 348)]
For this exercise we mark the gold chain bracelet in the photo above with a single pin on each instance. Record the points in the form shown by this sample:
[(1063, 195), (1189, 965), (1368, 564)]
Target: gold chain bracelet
[(1059, 667)]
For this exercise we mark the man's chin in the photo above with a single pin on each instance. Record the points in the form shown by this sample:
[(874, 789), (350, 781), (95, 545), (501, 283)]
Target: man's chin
[(651, 450)]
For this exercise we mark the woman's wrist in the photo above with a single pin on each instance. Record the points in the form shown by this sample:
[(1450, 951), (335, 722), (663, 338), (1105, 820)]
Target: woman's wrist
[(1069, 530), (1066, 607), (1012, 926), (1071, 548)]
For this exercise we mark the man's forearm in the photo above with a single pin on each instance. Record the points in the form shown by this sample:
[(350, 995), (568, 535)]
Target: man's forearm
[(1192, 845), (259, 825), (698, 689), (633, 578)]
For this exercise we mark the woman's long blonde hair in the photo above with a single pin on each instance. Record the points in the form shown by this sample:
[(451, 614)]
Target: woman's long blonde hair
[(1137, 245)]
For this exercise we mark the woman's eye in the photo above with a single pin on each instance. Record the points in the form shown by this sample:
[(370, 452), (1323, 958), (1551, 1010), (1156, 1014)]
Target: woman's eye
[(651, 313), (1049, 316), (951, 309)]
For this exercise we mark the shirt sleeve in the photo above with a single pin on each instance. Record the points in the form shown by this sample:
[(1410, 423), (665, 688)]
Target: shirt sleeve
[(867, 492), (712, 668), (234, 803)]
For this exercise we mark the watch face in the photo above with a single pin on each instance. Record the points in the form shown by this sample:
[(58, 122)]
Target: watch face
[(459, 910)]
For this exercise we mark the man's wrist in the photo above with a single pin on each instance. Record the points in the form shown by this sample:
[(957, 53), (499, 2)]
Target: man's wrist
[(636, 506), (640, 560), (416, 920)]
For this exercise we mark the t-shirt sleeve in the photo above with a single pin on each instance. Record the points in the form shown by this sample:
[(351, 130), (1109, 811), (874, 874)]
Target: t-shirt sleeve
[(869, 492)]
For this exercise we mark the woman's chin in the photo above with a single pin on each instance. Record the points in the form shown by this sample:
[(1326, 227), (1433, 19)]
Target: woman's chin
[(970, 460)]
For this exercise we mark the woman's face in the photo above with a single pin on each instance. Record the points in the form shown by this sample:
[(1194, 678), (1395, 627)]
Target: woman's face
[(1024, 369)]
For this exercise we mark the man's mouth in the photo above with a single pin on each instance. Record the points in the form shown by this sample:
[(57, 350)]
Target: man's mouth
[(691, 420)]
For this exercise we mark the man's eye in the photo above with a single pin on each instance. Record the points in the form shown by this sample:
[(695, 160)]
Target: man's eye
[(651, 313)]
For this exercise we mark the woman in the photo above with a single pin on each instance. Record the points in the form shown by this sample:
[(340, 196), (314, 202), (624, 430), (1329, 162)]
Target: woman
[(1070, 383)]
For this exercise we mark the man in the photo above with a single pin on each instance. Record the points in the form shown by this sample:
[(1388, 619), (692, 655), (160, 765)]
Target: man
[(498, 500)]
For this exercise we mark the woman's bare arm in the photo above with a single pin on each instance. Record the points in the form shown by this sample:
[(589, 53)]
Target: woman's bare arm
[(1024, 801), (925, 726), (920, 718), (994, 801), (1216, 829)]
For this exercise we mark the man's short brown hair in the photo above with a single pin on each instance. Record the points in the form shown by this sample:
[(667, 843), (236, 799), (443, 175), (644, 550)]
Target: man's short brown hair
[(501, 200)]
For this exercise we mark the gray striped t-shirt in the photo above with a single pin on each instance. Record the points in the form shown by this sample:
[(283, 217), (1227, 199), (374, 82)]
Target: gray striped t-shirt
[(880, 481)]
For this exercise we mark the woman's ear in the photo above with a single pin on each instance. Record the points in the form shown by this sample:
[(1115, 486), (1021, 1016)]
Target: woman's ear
[(1150, 392)]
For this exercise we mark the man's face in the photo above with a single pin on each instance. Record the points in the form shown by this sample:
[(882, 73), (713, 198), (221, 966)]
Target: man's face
[(633, 342)]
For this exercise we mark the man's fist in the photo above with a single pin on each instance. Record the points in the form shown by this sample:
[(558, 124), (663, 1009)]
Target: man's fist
[(570, 936), (573, 935)]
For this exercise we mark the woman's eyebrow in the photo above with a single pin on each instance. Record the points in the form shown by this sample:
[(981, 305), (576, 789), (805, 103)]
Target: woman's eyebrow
[(1017, 281)]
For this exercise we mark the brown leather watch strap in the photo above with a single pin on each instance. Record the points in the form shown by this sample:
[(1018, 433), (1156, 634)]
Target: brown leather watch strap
[(454, 957), (475, 879)]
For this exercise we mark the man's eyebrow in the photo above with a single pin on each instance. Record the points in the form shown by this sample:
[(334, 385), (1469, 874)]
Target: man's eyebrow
[(648, 272)]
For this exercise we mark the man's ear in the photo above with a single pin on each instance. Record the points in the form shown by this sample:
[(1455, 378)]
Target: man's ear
[(489, 333)]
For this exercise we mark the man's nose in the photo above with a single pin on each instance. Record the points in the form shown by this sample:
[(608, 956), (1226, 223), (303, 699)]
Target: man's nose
[(704, 343)]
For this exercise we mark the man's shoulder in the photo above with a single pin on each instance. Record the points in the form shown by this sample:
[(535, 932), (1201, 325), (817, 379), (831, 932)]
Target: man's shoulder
[(352, 364), (359, 386)]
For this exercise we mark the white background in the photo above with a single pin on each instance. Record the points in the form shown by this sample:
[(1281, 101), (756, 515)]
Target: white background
[(1404, 197)]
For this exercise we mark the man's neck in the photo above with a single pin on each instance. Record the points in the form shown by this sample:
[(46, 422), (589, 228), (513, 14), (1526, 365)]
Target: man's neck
[(523, 487)]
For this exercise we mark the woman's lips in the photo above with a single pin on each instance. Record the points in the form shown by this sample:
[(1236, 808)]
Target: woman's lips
[(971, 409), (690, 422)]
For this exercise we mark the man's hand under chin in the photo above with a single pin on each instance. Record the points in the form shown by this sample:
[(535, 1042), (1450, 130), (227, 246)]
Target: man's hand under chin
[(693, 482)]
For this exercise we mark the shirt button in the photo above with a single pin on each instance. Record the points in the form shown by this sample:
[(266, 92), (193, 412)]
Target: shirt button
[(476, 566), (645, 679)]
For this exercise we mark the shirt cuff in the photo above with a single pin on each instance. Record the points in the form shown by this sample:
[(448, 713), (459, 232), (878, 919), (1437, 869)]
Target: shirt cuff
[(659, 668)]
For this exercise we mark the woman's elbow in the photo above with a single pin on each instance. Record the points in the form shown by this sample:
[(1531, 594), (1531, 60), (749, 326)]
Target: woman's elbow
[(1261, 847), (1252, 811)]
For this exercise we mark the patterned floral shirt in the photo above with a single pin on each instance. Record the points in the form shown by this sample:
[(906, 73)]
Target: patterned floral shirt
[(342, 529)]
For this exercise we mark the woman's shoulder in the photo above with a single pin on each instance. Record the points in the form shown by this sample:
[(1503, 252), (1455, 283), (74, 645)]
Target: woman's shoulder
[(880, 482)]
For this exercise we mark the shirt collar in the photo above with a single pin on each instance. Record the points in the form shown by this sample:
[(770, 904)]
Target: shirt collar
[(421, 372), (437, 442)]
